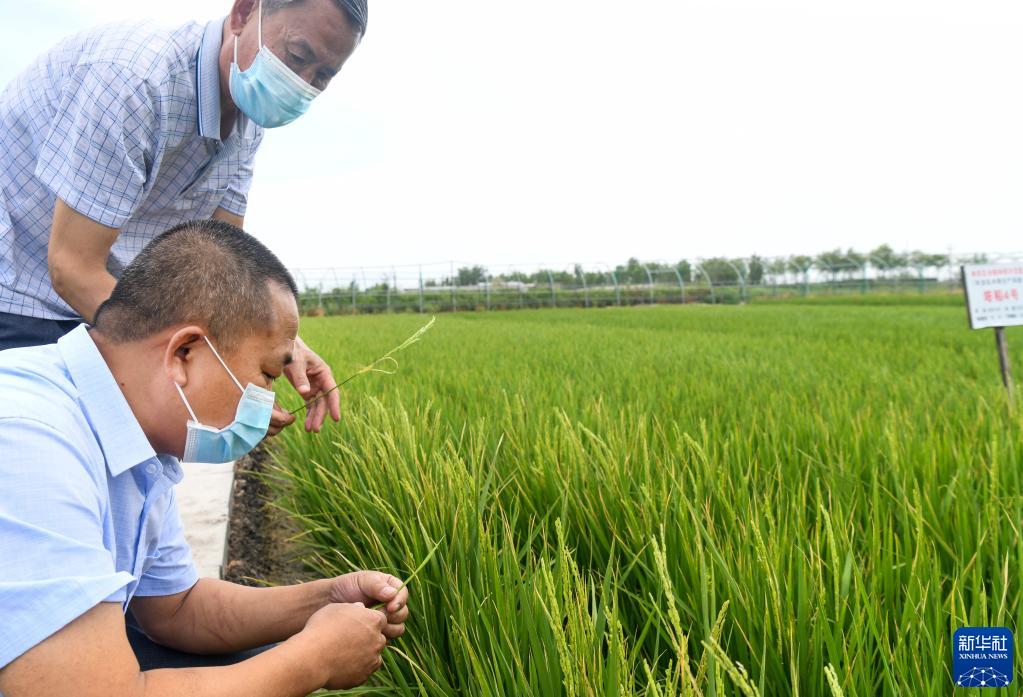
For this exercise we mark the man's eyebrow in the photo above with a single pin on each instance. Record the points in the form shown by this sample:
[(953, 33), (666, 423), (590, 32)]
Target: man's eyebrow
[(310, 53), (305, 48)]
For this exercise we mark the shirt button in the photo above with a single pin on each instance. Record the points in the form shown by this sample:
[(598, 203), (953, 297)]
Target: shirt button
[(151, 468)]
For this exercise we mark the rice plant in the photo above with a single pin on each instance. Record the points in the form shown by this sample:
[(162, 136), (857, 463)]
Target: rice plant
[(755, 500)]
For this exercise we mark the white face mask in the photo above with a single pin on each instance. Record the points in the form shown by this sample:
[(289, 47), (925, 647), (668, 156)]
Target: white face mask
[(205, 444)]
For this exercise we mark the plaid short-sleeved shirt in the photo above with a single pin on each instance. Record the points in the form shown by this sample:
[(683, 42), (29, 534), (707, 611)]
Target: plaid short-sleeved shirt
[(122, 123)]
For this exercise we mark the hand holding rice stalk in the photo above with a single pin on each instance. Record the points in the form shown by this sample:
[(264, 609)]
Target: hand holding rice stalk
[(376, 366), (414, 575)]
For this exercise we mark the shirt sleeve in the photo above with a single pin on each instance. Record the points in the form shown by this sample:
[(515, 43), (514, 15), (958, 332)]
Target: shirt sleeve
[(55, 565), (236, 197), (173, 570), (98, 151)]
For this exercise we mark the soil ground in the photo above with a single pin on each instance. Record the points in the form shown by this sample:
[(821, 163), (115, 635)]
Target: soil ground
[(259, 549)]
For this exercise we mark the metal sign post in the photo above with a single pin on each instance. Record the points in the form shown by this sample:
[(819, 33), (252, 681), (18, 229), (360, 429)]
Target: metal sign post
[(994, 298), (1003, 359)]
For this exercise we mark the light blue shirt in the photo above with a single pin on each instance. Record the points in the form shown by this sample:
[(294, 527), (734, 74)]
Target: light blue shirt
[(122, 123), (87, 508)]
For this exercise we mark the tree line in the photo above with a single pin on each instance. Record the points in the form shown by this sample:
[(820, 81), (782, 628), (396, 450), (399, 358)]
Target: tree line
[(755, 270)]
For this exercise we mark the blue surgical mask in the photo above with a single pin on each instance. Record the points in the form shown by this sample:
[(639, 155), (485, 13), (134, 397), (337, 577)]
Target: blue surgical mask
[(214, 446), (269, 92)]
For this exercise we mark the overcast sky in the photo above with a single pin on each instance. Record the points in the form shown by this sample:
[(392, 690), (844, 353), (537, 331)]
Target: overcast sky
[(589, 130)]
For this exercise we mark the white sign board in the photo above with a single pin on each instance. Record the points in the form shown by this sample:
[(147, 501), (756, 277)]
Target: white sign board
[(994, 294)]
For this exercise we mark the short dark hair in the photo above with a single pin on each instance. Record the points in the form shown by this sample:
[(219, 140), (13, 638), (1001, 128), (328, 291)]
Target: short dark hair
[(357, 11), (206, 272)]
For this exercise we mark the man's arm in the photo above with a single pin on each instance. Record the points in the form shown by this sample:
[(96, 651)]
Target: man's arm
[(229, 217), (215, 616), (91, 657), (96, 157), (77, 258)]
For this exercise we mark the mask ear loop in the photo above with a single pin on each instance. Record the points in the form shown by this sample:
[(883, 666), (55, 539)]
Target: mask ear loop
[(185, 400), (259, 27), (223, 364)]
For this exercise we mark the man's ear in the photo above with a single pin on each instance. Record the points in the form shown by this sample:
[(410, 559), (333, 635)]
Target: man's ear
[(178, 354), (241, 13)]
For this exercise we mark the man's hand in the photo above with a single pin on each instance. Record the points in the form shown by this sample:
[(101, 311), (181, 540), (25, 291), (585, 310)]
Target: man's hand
[(371, 588), (349, 642), (279, 419), (311, 376)]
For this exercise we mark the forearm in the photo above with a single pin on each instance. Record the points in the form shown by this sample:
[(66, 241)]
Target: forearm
[(291, 669), (221, 617), (83, 291), (76, 258), (229, 217)]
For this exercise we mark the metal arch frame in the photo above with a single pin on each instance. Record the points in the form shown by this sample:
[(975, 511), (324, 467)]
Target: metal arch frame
[(784, 272), (305, 281), (337, 285), (872, 260), (852, 265), (420, 289), (508, 271), (806, 277), (920, 276), (319, 295), (742, 281), (387, 288), (769, 261), (618, 289), (365, 283), (454, 305), (650, 278), (920, 272), (710, 283), (581, 273), (876, 262), (833, 270), (681, 282)]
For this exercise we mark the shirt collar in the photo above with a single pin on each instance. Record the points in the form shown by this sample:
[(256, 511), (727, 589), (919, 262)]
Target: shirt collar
[(207, 86), (207, 79), (119, 434)]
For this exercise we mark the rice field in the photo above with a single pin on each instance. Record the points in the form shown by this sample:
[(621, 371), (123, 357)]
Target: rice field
[(765, 499)]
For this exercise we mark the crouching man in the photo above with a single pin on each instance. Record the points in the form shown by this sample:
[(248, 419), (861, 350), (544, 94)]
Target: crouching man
[(180, 363)]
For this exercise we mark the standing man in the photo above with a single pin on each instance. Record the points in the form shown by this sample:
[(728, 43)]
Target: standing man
[(118, 133)]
